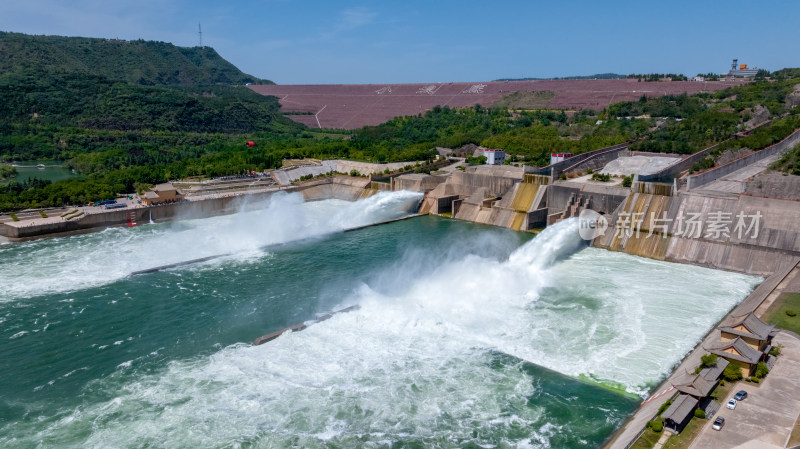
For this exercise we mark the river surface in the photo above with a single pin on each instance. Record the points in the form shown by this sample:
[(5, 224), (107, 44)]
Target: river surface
[(466, 335), (44, 170)]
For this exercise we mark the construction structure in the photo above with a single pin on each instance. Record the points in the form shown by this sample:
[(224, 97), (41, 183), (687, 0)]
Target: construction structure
[(742, 70), (744, 341), (494, 156), (162, 194)]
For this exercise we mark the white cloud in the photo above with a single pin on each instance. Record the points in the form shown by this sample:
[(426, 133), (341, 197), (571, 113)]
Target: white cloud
[(349, 20)]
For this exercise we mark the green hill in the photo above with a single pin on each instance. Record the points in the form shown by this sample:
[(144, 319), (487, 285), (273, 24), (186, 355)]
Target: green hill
[(107, 84), (138, 62)]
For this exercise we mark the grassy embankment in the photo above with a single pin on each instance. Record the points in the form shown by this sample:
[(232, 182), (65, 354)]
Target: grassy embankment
[(785, 312)]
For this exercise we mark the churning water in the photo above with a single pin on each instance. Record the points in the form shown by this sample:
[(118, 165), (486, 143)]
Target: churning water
[(466, 335)]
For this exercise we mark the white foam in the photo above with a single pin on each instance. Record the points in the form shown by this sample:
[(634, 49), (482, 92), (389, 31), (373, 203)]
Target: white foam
[(417, 363), (83, 261)]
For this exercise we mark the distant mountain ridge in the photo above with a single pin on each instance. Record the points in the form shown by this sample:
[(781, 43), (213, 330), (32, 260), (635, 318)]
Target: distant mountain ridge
[(137, 62)]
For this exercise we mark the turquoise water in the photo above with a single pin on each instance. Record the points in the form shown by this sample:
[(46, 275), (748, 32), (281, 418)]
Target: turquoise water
[(52, 171), (466, 336)]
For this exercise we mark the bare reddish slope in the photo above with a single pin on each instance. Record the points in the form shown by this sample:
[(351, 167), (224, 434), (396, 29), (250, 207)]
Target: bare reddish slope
[(351, 106)]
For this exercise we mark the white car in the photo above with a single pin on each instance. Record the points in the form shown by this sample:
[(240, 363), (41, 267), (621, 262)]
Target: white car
[(732, 404)]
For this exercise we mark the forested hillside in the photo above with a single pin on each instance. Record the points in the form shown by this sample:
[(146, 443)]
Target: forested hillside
[(137, 62), (127, 113)]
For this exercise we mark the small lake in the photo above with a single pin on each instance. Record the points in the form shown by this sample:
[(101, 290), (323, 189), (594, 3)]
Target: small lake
[(44, 170)]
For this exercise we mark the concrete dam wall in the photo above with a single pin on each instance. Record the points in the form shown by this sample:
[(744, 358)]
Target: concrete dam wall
[(343, 188), (744, 234)]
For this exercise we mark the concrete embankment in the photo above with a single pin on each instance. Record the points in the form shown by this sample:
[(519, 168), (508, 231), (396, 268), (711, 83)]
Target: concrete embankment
[(97, 218), (730, 232), (630, 431)]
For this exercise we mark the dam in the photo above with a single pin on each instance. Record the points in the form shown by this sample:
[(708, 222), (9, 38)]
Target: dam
[(464, 334)]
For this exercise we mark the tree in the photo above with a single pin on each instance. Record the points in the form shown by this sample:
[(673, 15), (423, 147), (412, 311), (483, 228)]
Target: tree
[(761, 370), (709, 360), (732, 372)]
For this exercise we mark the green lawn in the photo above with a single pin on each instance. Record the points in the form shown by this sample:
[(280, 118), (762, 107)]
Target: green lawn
[(647, 440), (777, 312), (721, 391), (689, 433)]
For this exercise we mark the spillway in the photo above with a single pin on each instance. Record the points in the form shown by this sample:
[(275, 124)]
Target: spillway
[(464, 335)]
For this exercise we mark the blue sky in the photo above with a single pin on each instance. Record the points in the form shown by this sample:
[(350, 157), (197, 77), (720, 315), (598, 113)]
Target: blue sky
[(331, 42)]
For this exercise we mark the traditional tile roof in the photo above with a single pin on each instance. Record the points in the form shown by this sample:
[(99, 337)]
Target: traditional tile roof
[(745, 353), (680, 409), (701, 384), (758, 329), (164, 187)]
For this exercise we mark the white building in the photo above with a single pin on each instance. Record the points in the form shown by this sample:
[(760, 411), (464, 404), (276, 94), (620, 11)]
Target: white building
[(494, 157), (558, 157)]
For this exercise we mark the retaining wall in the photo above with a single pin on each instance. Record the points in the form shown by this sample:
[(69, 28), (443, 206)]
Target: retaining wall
[(760, 253), (671, 172), (343, 188), (596, 161), (556, 169), (604, 199), (738, 164)]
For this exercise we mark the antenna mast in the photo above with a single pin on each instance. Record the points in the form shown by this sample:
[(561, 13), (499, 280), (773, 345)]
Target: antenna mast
[(200, 34)]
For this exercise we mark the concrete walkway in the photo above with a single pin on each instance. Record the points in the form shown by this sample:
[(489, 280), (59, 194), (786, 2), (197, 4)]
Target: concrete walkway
[(649, 408), (663, 440), (766, 417), (735, 182)]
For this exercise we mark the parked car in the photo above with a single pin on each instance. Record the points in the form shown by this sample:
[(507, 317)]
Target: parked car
[(718, 423), (740, 395), (732, 404)]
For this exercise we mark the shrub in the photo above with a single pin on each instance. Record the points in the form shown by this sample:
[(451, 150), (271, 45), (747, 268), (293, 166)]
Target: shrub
[(479, 160), (761, 370), (664, 406), (627, 181), (562, 177), (699, 413), (732, 372), (354, 172), (791, 313), (657, 425), (601, 177), (776, 350), (709, 360), (44, 215), (14, 217)]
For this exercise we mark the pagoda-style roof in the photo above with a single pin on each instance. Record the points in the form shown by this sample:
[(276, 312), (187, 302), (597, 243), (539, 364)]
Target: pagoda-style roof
[(164, 187), (753, 327), (701, 384), (680, 409), (743, 351)]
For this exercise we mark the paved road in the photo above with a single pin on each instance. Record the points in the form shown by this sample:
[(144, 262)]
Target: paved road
[(765, 419), (735, 182)]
